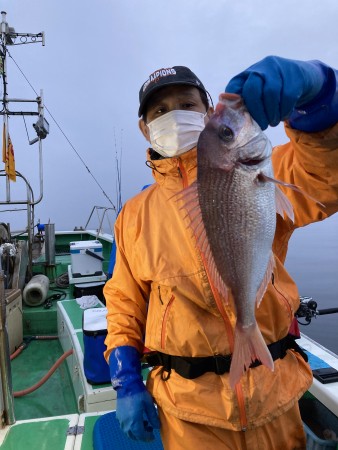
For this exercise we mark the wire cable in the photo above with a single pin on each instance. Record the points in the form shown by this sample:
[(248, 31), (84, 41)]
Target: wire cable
[(64, 135), (62, 281)]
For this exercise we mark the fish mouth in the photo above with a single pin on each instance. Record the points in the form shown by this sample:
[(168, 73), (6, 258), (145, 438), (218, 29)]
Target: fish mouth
[(251, 162)]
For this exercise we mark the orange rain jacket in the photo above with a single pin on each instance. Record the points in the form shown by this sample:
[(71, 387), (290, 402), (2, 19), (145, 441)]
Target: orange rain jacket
[(160, 291)]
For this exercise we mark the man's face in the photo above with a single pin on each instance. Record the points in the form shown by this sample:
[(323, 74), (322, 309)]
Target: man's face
[(169, 98)]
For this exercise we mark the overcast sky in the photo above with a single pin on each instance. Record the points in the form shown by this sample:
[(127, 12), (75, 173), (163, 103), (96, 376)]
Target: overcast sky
[(96, 57)]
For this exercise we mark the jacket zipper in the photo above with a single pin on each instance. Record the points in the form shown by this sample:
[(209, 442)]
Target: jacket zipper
[(165, 319), (183, 173), (230, 335)]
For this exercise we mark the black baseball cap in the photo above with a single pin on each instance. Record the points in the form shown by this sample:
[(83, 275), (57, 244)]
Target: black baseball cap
[(165, 77)]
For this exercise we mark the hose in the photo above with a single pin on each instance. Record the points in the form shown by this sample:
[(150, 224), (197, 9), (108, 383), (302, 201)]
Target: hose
[(44, 338), (18, 351), (28, 340), (49, 300), (62, 281), (44, 378)]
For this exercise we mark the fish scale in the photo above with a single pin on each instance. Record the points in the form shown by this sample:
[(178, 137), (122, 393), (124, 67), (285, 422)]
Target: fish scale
[(225, 246)]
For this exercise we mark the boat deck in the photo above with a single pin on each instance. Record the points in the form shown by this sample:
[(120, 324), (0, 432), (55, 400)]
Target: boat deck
[(62, 412), (320, 357), (56, 396), (73, 432), (55, 433)]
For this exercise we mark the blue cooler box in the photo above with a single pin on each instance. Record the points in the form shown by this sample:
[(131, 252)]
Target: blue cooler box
[(107, 435), (94, 327)]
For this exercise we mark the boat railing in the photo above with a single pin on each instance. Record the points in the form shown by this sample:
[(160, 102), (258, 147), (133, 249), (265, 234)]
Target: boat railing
[(102, 213), (29, 204)]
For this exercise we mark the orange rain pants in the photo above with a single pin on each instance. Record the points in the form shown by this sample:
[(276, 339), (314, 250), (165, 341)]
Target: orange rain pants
[(283, 433)]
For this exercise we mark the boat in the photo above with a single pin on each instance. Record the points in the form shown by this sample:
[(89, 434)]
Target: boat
[(51, 282)]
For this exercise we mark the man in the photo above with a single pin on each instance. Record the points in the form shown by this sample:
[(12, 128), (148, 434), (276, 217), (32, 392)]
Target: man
[(159, 296)]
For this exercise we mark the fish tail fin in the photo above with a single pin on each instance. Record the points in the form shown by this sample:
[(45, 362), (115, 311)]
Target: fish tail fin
[(249, 346)]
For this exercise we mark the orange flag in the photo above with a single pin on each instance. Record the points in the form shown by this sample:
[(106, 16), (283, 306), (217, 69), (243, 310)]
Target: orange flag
[(4, 144), (8, 156)]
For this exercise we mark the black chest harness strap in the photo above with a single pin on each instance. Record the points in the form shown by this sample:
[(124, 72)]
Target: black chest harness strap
[(193, 367)]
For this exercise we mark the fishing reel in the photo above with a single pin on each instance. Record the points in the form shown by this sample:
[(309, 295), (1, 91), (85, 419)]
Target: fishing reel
[(307, 310)]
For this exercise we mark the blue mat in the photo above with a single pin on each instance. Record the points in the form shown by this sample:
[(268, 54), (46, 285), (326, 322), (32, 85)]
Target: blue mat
[(107, 435), (316, 362)]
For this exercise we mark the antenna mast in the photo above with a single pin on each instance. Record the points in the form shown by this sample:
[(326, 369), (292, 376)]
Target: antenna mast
[(9, 37)]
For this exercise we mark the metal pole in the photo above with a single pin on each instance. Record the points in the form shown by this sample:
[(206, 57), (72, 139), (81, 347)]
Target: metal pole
[(41, 114), (50, 244), (30, 232), (4, 29), (5, 362)]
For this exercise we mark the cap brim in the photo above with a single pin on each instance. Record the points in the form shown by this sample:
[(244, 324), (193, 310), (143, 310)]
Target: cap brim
[(158, 87)]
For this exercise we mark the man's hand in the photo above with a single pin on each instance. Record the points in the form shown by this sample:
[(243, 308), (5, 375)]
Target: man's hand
[(273, 87), (137, 416), (135, 409)]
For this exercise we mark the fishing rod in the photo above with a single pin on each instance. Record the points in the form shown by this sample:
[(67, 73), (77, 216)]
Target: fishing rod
[(308, 310)]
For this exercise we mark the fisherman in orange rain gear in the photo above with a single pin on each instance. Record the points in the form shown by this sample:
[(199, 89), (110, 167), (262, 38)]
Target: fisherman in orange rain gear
[(159, 296)]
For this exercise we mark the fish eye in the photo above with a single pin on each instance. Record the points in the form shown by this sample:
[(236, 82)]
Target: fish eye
[(225, 133)]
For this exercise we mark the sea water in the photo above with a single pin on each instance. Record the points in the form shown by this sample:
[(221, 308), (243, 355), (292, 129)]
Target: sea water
[(312, 261)]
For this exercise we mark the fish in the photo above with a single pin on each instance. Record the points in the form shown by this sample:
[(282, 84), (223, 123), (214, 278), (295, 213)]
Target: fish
[(232, 208)]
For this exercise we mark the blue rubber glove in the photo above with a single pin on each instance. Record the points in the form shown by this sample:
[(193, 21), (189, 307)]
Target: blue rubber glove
[(135, 409), (276, 89)]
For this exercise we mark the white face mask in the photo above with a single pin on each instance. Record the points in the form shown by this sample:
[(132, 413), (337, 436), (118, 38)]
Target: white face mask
[(176, 132)]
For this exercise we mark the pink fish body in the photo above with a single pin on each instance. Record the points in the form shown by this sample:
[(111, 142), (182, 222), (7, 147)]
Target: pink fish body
[(232, 207)]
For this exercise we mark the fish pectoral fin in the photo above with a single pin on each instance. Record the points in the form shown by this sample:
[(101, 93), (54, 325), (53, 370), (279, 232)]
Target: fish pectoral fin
[(290, 186), (283, 205), (266, 279), (249, 347)]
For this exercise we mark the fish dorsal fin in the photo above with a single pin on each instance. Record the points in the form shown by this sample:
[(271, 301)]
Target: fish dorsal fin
[(266, 279), (283, 205), (189, 197)]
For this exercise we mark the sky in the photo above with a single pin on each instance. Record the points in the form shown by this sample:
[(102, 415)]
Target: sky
[(95, 59)]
